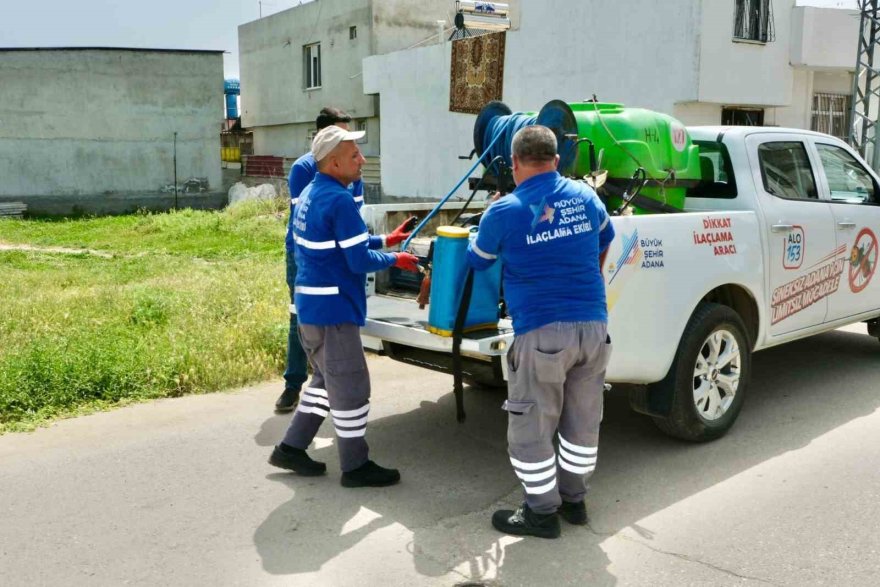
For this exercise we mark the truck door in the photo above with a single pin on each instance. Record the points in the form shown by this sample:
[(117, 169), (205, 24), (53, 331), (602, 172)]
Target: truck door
[(799, 230), (855, 203)]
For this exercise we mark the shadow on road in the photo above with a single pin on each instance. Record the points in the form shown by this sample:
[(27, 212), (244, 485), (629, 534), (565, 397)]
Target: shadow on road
[(455, 474)]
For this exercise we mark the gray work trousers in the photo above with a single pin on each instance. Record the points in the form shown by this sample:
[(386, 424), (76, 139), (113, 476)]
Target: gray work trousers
[(556, 380), (340, 387)]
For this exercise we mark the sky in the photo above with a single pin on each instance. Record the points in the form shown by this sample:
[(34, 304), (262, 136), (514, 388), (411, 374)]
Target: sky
[(157, 24)]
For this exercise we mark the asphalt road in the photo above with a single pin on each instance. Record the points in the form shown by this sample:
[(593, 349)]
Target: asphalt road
[(178, 492)]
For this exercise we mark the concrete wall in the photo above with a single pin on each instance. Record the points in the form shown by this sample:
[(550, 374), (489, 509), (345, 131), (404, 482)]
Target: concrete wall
[(292, 140), (95, 128), (746, 73), (420, 140), (697, 113), (570, 50), (831, 82), (824, 38), (400, 24), (798, 113)]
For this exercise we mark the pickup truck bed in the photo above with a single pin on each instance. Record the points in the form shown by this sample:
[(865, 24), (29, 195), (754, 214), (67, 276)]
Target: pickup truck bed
[(400, 320)]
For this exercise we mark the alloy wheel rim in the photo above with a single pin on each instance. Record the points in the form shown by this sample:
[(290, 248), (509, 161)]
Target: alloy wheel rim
[(717, 374)]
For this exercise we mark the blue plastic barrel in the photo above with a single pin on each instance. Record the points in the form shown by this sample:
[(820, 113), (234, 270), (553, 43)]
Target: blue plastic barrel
[(231, 106), (447, 285), (231, 86)]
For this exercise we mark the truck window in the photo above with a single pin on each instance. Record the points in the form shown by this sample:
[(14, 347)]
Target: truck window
[(847, 179), (716, 172), (786, 171)]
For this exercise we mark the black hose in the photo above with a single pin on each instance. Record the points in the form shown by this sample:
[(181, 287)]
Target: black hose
[(632, 190), (476, 189), (457, 333)]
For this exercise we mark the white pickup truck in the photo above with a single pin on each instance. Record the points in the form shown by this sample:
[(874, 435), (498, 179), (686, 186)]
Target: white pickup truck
[(777, 242)]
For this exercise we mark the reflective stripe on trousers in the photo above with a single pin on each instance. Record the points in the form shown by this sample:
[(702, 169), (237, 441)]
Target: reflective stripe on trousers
[(555, 389)]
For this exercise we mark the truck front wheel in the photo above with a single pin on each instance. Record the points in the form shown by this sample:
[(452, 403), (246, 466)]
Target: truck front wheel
[(708, 378)]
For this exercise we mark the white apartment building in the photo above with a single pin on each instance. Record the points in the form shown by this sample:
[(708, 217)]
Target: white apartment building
[(706, 62)]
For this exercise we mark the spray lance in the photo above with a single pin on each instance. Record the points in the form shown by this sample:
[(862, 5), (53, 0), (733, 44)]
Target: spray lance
[(424, 296), (425, 287)]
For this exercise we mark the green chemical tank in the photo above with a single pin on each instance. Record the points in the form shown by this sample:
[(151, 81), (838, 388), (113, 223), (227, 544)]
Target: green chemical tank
[(624, 140)]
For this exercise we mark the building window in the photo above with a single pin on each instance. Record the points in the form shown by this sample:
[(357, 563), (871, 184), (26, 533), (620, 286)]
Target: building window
[(831, 114), (753, 20), (312, 65), (362, 126), (352, 32), (742, 117)]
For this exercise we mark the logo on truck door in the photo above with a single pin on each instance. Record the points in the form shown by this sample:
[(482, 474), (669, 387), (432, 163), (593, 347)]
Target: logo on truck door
[(862, 260), (822, 278), (630, 254), (643, 253), (820, 281), (793, 248)]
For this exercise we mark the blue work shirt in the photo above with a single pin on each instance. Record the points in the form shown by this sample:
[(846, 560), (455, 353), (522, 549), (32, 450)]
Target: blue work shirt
[(302, 172), (548, 233), (332, 254)]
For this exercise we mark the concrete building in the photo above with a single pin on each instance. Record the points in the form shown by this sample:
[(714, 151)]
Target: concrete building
[(703, 61), (93, 129), (297, 61)]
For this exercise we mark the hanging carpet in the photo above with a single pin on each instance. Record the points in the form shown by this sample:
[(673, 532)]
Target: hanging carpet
[(477, 75)]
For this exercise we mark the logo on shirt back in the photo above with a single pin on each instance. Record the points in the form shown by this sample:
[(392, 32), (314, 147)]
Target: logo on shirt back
[(569, 216), (543, 213)]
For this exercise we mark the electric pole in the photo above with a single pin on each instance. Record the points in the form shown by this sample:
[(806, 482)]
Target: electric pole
[(866, 86)]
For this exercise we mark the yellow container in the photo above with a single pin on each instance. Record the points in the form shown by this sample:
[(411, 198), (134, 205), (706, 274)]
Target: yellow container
[(230, 154)]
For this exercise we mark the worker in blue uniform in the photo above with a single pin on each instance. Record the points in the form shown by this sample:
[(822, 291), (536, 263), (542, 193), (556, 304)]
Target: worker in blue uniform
[(551, 235), (334, 252), (302, 172)]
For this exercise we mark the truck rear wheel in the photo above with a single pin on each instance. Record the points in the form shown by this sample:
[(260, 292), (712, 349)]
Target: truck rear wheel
[(708, 378)]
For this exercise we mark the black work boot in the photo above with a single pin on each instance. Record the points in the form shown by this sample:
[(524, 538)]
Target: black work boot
[(287, 400), (573, 512), (296, 460), (525, 522), (370, 475)]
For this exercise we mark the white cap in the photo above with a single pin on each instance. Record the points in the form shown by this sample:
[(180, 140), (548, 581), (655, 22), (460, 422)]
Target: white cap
[(328, 138)]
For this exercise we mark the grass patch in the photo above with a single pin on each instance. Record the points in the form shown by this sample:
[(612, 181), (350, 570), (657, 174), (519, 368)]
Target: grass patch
[(188, 302)]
